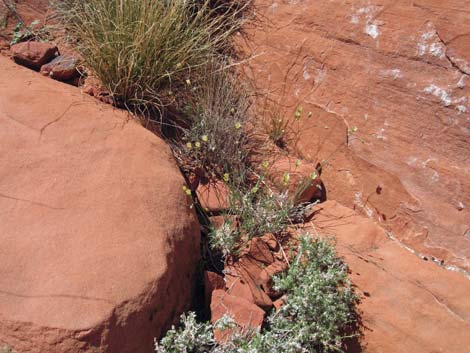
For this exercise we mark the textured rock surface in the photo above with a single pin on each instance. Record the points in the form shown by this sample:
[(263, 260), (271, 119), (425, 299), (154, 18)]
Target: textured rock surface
[(304, 185), (250, 276), (93, 224), (33, 54), (398, 70), (246, 315), (212, 281), (408, 304), (213, 196), (242, 280), (29, 10), (62, 68)]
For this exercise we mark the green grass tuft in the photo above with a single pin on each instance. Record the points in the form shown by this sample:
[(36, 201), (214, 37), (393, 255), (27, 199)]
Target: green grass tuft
[(144, 51)]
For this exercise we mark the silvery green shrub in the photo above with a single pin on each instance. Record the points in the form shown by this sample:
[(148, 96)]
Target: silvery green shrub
[(319, 307)]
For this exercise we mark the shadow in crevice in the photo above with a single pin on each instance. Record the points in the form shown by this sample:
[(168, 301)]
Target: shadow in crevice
[(354, 344), (356, 330)]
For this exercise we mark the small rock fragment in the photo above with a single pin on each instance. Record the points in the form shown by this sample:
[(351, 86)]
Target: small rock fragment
[(300, 178), (194, 180), (245, 314), (33, 54), (265, 278), (271, 242), (62, 68), (213, 196), (241, 279), (260, 251), (279, 303), (212, 281)]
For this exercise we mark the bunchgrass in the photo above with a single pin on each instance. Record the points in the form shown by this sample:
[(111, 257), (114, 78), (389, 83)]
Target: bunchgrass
[(252, 213), (217, 141), (277, 129), (145, 51)]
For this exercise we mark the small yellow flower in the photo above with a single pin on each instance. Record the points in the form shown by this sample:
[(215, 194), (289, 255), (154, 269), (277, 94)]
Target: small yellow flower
[(297, 163), (353, 129), (206, 209), (204, 138), (188, 192), (313, 175), (286, 178), (226, 177), (185, 188), (189, 145), (265, 164), (254, 190), (178, 66), (298, 112), (188, 82), (238, 125), (232, 111), (198, 144)]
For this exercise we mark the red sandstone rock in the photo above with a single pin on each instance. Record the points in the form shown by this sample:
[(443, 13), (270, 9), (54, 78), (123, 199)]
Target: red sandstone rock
[(194, 180), (271, 242), (264, 278), (213, 196), (94, 228), (407, 304), (398, 71), (260, 252), (303, 183), (212, 281), (242, 281), (62, 68), (278, 303), (246, 315), (93, 86), (33, 54), (250, 276), (217, 221)]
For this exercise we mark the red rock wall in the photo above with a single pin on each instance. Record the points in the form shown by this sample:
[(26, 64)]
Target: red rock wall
[(399, 72)]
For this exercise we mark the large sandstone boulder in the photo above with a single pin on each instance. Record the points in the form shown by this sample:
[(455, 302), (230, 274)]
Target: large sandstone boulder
[(98, 242), (407, 304), (399, 72)]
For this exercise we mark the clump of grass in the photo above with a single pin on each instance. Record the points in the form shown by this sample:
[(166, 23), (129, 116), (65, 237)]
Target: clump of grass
[(316, 315), (145, 51), (252, 213), (277, 129), (217, 142), (261, 211)]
